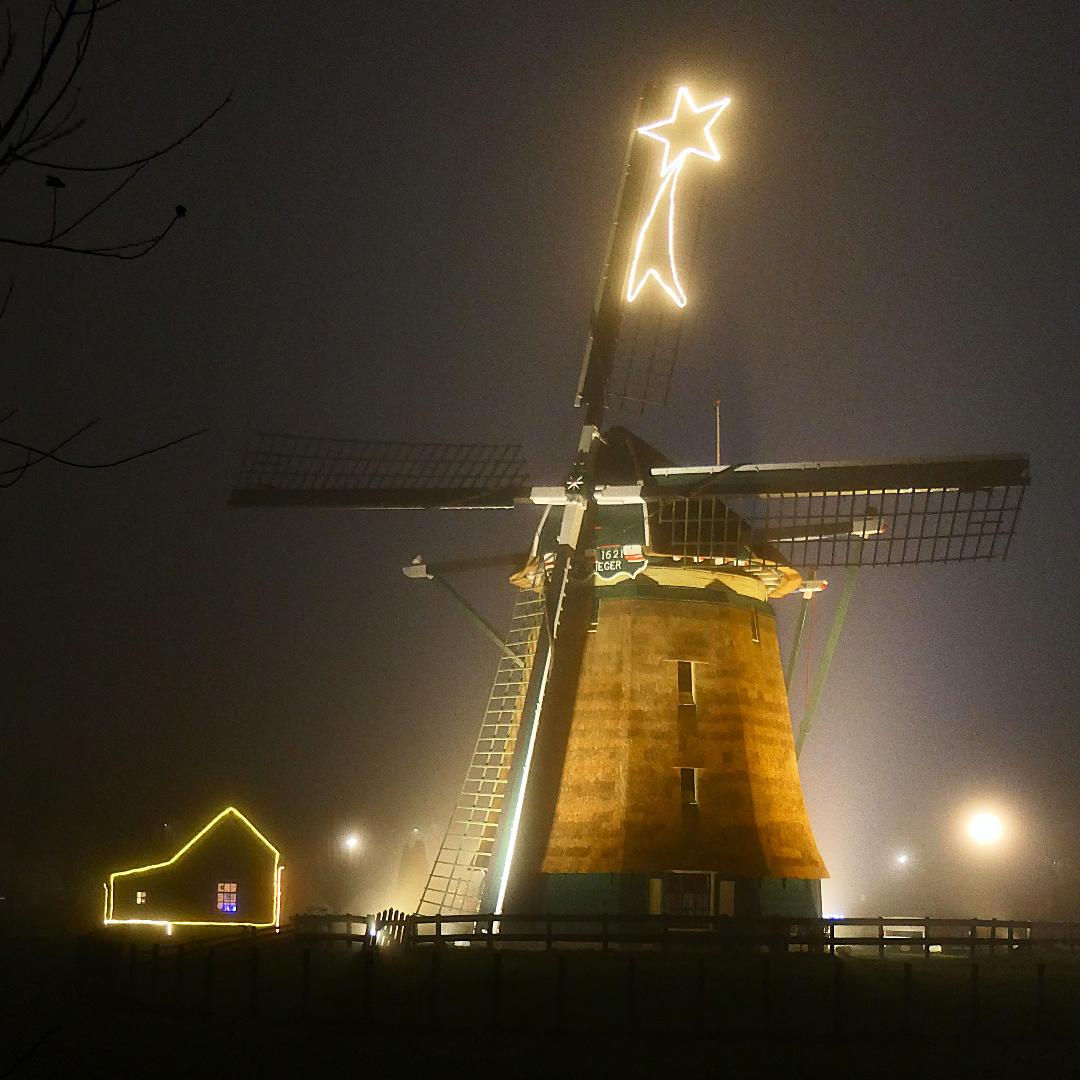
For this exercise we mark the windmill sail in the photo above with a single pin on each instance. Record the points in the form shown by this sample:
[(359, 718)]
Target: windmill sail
[(873, 513), (456, 883), (298, 470)]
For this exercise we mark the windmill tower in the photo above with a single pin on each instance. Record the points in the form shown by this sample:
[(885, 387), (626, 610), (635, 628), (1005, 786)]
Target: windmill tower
[(636, 752)]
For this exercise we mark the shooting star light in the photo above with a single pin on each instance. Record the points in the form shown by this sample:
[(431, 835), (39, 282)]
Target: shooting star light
[(687, 132)]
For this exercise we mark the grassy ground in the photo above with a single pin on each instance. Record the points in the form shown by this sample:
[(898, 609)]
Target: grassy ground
[(66, 1012)]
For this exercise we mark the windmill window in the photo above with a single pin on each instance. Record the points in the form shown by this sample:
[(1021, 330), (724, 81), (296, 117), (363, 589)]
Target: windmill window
[(685, 669), (688, 785), (226, 897), (140, 896)]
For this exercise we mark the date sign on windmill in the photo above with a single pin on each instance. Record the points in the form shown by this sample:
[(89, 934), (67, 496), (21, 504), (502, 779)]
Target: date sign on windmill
[(636, 753)]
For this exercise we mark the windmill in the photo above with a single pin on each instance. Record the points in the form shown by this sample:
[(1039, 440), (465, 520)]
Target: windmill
[(636, 753)]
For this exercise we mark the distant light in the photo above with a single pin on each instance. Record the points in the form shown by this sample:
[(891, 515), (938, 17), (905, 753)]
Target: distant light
[(351, 842), (903, 859), (985, 828)]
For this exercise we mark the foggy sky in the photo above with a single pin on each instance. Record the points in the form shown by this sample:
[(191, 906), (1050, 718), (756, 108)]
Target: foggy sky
[(395, 231)]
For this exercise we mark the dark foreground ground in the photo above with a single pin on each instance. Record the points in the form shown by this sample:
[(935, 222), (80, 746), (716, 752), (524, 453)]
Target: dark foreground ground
[(99, 1009)]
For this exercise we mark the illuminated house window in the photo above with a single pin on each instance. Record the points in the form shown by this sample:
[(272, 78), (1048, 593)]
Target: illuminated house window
[(226, 897), (686, 681), (688, 784), (140, 897)]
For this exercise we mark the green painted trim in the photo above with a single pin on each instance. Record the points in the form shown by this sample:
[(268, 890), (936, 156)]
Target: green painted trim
[(641, 588)]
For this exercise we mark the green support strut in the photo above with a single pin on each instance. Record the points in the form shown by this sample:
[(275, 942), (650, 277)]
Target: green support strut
[(477, 618), (850, 578), (800, 625)]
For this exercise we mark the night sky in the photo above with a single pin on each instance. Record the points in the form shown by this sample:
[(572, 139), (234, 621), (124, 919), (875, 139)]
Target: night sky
[(395, 231)]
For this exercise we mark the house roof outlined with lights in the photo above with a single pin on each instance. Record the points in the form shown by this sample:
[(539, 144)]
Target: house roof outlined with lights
[(227, 874)]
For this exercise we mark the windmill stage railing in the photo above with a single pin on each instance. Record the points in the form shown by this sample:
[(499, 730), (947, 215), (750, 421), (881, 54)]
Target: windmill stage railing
[(882, 935)]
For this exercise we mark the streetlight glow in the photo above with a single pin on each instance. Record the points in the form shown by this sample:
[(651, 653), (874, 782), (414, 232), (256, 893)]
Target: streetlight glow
[(903, 859), (351, 842), (985, 828)]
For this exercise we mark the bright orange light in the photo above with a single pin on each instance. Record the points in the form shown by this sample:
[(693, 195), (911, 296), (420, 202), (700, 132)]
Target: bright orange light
[(683, 135), (985, 828), (168, 924)]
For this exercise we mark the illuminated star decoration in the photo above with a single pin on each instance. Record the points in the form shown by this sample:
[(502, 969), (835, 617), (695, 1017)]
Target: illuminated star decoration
[(687, 132)]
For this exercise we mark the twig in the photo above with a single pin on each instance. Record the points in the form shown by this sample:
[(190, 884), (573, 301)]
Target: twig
[(8, 126), (136, 161), (99, 464), (20, 471)]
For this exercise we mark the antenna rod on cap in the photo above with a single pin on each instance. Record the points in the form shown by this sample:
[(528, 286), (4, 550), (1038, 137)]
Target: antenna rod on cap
[(717, 405)]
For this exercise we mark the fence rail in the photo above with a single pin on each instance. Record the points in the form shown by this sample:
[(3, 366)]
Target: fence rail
[(773, 933)]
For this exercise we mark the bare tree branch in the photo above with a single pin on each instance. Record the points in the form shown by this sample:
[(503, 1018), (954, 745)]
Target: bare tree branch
[(99, 204), (82, 44), (3, 309), (95, 8), (92, 464), (135, 161), (9, 44), (136, 249), (31, 128), (31, 461), (8, 125)]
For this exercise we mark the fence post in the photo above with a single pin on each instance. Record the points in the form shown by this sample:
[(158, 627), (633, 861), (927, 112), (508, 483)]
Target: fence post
[(905, 1008), (155, 964), (253, 980), (1040, 996), (831, 931), (926, 937), (838, 997), (993, 935), (208, 980), (560, 990), (496, 989), (631, 994), (131, 969), (179, 976), (305, 980), (368, 983), (604, 932), (699, 986), (766, 991), (548, 935), (881, 937), (433, 989), (974, 997)]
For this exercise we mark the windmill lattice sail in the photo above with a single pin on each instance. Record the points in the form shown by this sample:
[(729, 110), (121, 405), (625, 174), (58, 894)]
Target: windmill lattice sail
[(456, 883), (299, 470), (841, 513)]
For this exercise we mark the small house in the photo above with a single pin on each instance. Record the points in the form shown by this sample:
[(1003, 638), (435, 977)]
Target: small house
[(227, 874)]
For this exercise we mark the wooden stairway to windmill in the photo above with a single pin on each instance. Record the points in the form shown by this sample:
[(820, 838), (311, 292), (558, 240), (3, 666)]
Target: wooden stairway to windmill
[(636, 754)]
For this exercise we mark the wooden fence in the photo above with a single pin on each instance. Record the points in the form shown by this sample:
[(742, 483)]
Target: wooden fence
[(776, 934)]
